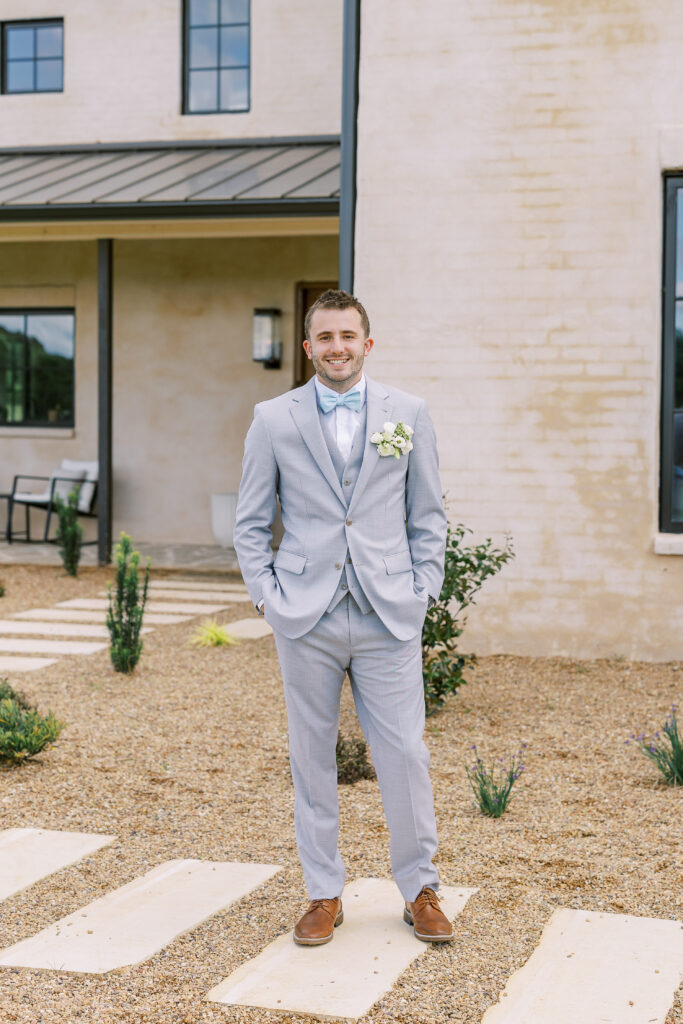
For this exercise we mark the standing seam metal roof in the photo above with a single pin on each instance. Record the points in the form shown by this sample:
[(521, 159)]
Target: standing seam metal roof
[(240, 177)]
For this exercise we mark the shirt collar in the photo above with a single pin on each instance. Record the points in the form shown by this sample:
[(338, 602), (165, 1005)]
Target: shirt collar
[(322, 389)]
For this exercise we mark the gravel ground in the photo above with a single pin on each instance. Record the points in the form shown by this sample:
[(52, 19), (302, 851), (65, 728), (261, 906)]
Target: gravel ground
[(188, 758)]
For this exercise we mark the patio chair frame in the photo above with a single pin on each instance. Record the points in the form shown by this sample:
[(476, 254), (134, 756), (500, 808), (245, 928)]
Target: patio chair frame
[(48, 507)]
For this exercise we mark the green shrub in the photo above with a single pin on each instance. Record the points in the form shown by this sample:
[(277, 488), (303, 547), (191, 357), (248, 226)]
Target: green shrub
[(211, 634), (126, 608), (466, 569), (24, 732), (8, 692), (69, 530), (2, 590), (352, 761)]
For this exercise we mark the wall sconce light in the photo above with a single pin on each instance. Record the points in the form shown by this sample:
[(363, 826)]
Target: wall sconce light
[(267, 338)]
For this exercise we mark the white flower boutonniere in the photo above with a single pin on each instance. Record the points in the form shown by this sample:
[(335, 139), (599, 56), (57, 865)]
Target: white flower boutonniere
[(394, 439)]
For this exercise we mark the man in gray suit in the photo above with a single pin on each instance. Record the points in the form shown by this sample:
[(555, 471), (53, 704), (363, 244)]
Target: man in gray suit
[(354, 465)]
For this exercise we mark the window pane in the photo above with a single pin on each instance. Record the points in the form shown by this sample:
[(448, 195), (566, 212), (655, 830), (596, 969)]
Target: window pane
[(49, 75), (234, 10), (234, 47), (203, 90), (203, 12), (203, 47), (20, 43), (20, 76), (36, 368), (11, 322), (678, 468), (49, 41), (235, 90)]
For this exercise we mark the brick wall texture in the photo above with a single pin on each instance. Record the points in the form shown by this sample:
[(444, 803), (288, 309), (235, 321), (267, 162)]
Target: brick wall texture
[(509, 250)]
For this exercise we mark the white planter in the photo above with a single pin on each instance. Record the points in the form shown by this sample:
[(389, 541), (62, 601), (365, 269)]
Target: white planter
[(223, 510)]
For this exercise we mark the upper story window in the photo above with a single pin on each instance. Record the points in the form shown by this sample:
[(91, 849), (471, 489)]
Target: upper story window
[(37, 367), (33, 56), (216, 56), (671, 477)]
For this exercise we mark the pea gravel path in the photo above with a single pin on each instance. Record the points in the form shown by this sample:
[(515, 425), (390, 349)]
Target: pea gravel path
[(188, 758)]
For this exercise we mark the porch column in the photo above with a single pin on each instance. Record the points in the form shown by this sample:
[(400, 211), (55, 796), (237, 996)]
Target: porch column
[(104, 397), (349, 132)]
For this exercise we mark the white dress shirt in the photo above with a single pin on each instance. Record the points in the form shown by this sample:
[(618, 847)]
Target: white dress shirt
[(345, 420)]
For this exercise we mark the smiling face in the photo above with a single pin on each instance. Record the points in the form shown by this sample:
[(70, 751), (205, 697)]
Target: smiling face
[(337, 346)]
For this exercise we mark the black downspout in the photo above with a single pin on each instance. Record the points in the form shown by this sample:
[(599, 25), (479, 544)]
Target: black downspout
[(104, 398), (349, 132)]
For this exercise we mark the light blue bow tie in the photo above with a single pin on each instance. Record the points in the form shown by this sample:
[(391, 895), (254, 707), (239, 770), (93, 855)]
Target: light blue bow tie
[(350, 399)]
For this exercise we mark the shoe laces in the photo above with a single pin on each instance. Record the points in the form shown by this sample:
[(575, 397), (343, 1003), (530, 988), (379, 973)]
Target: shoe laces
[(322, 904), (427, 896)]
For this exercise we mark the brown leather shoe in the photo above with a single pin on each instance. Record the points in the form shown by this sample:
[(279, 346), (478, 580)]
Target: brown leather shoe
[(318, 923), (428, 920)]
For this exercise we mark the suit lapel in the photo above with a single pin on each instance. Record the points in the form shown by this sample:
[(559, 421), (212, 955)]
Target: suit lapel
[(379, 411), (304, 410)]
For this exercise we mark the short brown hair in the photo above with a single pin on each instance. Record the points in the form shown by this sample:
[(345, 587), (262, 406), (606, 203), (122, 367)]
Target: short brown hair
[(336, 299)]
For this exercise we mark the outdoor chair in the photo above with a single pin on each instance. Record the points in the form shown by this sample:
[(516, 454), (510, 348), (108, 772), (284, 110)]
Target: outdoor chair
[(63, 480)]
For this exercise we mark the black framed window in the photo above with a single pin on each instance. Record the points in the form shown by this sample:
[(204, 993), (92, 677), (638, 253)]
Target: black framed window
[(37, 367), (671, 477), (216, 56), (33, 56)]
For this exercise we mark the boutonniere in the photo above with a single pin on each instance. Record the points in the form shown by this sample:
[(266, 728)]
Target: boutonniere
[(394, 439)]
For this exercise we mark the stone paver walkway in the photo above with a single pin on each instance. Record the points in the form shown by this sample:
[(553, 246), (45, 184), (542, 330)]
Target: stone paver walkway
[(28, 854)]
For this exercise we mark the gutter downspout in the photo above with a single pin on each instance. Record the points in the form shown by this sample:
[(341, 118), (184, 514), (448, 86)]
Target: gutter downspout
[(349, 138)]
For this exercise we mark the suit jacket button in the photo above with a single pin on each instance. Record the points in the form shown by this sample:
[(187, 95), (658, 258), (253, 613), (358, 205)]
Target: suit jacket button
[(347, 483), (349, 522), (344, 586), (337, 565)]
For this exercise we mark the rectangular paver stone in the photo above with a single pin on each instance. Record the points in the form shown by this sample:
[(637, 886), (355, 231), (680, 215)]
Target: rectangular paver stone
[(249, 629), (182, 608), (173, 584), (15, 664), (38, 628), (227, 597), (345, 977), (595, 968), (36, 645), (28, 854), (80, 615), (132, 923)]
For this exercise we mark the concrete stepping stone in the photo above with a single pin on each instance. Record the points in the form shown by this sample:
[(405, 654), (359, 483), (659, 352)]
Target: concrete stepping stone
[(79, 615), (594, 968), (174, 584), (226, 597), (56, 628), (10, 664), (132, 923), (344, 978), (101, 604), (249, 629), (39, 646), (29, 854)]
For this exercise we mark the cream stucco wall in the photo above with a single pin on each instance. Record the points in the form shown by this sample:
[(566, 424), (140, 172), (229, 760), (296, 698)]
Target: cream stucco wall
[(123, 75), (508, 246), (184, 382)]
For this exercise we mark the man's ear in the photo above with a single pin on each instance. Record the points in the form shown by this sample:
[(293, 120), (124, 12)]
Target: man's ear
[(307, 348), (369, 342)]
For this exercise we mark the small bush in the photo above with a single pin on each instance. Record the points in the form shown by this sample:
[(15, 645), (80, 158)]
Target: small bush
[(352, 761), (2, 590), (665, 752), (492, 787), (24, 732), (69, 530), (126, 608), (466, 569), (8, 692), (211, 634)]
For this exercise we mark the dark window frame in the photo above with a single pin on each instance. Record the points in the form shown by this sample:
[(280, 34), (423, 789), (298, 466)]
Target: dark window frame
[(672, 184), (27, 311), (27, 23), (185, 84)]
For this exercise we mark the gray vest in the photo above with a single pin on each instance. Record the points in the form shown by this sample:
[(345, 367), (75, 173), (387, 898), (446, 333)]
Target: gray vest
[(348, 474)]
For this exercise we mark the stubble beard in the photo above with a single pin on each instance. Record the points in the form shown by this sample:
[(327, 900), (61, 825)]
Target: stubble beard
[(354, 369)]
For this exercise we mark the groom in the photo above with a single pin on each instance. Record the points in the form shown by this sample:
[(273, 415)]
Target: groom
[(354, 465)]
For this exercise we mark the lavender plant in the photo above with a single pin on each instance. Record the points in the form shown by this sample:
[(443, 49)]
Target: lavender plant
[(665, 751), (492, 786)]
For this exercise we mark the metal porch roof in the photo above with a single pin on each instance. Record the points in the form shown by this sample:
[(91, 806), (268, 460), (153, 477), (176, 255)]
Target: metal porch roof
[(261, 177)]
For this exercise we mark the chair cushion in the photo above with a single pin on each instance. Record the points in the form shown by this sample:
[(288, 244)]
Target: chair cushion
[(41, 498), (91, 473), (62, 486)]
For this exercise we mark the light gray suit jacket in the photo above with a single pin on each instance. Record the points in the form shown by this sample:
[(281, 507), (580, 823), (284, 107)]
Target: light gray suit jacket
[(394, 527)]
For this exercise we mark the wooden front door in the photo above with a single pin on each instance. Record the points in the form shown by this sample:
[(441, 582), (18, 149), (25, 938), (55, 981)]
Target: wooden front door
[(306, 294)]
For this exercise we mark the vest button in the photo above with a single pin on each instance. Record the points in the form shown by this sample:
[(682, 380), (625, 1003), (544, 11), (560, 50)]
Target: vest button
[(348, 561), (347, 483), (349, 522), (337, 565), (344, 586)]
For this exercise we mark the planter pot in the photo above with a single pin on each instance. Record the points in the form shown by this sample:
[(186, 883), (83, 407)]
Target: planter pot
[(223, 510)]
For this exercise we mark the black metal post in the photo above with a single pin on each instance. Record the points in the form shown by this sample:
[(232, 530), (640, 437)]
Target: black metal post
[(104, 397), (349, 123)]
